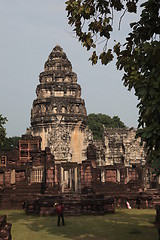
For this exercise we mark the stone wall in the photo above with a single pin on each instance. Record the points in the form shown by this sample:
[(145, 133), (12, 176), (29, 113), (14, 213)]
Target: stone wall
[(73, 204), (119, 146)]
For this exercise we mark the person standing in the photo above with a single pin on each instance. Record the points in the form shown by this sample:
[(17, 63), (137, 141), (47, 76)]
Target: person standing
[(60, 210)]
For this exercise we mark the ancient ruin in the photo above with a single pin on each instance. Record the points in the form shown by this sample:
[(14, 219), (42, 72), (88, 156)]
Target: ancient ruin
[(59, 114), (58, 160)]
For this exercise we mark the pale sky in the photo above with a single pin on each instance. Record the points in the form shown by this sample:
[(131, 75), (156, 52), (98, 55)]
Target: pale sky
[(29, 30)]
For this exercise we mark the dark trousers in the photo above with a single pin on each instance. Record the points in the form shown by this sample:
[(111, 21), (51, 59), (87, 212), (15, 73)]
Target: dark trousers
[(159, 231), (60, 216)]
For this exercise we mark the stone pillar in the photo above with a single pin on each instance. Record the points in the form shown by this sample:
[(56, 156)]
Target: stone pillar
[(118, 176), (7, 178), (66, 178), (144, 177), (127, 176), (4, 178), (62, 180), (13, 176), (79, 180), (70, 177), (76, 179), (103, 175)]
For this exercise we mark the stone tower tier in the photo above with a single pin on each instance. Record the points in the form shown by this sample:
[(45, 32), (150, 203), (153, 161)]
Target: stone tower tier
[(58, 89), (44, 109), (57, 75), (57, 68)]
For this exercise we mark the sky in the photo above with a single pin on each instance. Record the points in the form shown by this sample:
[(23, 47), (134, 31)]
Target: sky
[(29, 30)]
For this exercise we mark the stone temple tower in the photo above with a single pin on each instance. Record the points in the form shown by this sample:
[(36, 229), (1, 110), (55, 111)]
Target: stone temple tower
[(58, 114)]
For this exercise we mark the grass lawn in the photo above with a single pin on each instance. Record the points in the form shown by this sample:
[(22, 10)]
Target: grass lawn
[(125, 224)]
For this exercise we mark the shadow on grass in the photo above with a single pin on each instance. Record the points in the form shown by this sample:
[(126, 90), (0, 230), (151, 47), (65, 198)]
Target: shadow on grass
[(124, 224)]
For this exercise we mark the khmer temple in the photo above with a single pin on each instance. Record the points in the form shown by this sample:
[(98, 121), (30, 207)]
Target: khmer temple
[(58, 158), (59, 114)]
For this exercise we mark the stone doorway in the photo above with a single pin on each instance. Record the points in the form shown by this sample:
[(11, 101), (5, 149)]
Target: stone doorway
[(69, 179)]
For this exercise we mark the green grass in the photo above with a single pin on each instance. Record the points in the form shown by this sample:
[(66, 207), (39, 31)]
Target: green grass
[(125, 224)]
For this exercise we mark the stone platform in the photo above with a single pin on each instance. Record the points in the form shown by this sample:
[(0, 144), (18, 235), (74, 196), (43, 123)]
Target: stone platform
[(75, 204)]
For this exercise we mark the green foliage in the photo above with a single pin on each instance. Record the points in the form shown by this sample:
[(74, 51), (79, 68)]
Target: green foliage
[(10, 143), (138, 57), (3, 121), (97, 121), (6, 143), (93, 19)]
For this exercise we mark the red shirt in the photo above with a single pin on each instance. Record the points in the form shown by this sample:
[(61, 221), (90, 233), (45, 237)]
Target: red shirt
[(59, 208)]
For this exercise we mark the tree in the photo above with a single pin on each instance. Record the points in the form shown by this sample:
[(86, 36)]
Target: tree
[(6, 143), (10, 143), (97, 121), (138, 57), (93, 20), (3, 121)]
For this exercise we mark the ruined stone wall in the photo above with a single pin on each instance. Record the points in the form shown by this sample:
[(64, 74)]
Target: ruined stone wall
[(99, 152), (121, 147), (86, 174), (134, 152)]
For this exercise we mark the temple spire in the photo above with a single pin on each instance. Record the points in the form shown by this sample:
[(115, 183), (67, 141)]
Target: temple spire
[(59, 108)]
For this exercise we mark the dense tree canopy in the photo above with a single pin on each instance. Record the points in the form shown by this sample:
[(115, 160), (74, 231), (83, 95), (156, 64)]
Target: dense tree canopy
[(10, 143), (6, 143), (97, 121), (3, 121), (138, 57)]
